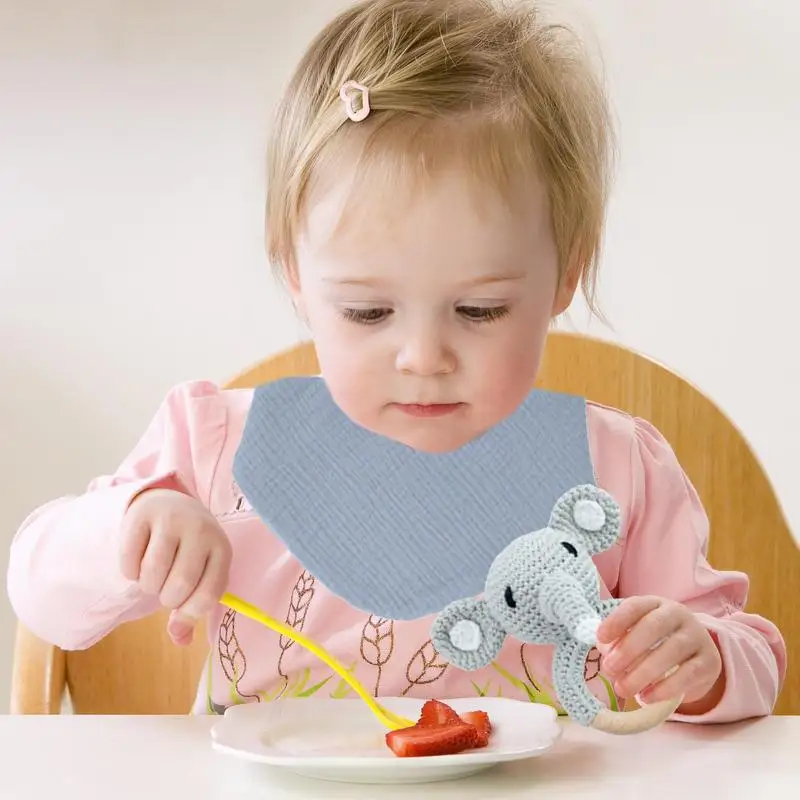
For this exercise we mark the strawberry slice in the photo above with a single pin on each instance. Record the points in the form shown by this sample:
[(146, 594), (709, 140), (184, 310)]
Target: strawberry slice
[(435, 712), (482, 724), (441, 731), (432, 740)]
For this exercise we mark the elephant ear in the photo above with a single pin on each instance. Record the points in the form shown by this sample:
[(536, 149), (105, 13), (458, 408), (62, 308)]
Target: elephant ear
[(466, 635), (589, 513)]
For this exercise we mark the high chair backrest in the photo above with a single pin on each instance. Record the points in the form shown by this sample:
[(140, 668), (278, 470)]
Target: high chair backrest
[(136, 670)]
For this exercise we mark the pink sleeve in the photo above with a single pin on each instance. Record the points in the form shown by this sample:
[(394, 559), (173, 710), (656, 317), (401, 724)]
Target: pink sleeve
[(63, 577), (665, 555)]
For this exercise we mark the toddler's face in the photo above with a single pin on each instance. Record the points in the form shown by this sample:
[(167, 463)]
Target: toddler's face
[(429, 318)]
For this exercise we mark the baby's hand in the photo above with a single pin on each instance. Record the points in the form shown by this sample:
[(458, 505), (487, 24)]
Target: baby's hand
[(174, 548), (661, 651)]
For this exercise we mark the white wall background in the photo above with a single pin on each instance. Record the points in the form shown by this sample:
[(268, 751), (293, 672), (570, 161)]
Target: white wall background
[(131, 163)]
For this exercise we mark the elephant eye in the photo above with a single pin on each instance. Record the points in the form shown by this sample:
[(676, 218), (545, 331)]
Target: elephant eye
[(570, 548), (510, 601)]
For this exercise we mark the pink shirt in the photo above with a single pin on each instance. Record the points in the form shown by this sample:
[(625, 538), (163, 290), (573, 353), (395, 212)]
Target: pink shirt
[(64, 582)]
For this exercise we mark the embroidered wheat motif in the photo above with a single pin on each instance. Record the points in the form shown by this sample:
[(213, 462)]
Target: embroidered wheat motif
[(231, 656), (591, 668), (302, 595), (425, 667), (377, 644), (241, 506)]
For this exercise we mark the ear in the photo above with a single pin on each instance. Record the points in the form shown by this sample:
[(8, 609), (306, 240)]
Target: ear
[(567, 286), (590, 513), (298, 303), (292, 280), (466, 635)]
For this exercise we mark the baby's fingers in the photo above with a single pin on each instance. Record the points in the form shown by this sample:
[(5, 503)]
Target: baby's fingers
[(157, 561), (184, 576), (180, 629), (135, 540), (645, 636), (205, 596), (625, 616), (678, 682), (654, 666)]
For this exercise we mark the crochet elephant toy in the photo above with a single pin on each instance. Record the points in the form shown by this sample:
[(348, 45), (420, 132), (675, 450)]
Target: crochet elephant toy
[(543, 588)]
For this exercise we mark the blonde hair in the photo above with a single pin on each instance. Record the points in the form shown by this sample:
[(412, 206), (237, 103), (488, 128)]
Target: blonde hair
[(490, 84)]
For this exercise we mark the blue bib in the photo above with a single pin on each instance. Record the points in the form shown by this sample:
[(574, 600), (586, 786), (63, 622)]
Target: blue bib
[(392, 531)]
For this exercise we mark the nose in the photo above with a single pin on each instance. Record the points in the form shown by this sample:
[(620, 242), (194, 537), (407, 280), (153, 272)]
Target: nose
[(425, 354)]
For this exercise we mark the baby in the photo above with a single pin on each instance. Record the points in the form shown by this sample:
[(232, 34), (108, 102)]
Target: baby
[(438, 180)]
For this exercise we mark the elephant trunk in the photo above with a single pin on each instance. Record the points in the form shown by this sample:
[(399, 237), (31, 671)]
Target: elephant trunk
[(562, 600)]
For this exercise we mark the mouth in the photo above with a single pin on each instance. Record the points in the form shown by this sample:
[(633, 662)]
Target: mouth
[(428, 409)]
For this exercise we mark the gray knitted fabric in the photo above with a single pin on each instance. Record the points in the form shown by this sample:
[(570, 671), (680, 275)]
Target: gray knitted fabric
[(543, 588)]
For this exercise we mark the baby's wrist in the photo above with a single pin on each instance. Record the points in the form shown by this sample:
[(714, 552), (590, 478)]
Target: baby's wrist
[(166, 484), (712, 698)]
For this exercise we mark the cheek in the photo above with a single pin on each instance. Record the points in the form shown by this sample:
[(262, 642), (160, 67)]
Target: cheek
[(347, 363), (348, 390), (351, 387), (511, 368)]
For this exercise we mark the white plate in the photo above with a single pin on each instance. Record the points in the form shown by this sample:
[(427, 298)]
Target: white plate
[(340, 740)]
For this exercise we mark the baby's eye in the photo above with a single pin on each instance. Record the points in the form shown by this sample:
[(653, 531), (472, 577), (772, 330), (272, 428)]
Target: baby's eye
[(509, 597), (483, 313), (366, 316), (570, 548)]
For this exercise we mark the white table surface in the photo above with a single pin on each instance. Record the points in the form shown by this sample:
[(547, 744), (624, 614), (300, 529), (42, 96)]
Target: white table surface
[(94, 758)]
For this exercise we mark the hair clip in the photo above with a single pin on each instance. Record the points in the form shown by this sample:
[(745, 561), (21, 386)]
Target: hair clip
[(350, 92)]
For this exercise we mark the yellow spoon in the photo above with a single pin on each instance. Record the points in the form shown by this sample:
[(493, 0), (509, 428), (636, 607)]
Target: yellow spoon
[(387, 718)]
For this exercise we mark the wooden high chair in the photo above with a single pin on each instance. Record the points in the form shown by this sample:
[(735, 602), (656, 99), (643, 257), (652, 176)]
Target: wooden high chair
[(136, 670)]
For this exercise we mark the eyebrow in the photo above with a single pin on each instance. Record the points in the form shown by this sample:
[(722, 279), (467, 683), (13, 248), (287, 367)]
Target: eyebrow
[(352, 281), (496, 278), (479, 281)]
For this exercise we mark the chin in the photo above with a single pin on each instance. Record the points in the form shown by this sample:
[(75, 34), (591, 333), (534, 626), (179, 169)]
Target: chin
[(427, 445)]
